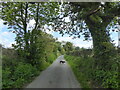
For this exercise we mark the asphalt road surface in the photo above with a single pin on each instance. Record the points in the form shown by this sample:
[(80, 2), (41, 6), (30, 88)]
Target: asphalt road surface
[(56, 76)]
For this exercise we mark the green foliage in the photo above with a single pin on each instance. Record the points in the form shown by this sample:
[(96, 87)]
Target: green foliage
[(107, 49), (81, 52), (29, 41), (19, 82), (68, 47), (104, 55), (51, 58), (91, 22), (107, 79), (10, 58), (34, 50), (91, 76), (25, 71), (6, 81), (9, 62), (22, 74), (41, 54), (75, 63), (86, 18), (111, 80), (43, 66)]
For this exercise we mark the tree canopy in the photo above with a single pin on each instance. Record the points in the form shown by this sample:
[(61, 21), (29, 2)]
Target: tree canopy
[(90, 19), (18, 15)]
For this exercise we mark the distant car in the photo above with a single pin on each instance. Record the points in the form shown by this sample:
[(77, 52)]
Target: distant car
[(62, 61)]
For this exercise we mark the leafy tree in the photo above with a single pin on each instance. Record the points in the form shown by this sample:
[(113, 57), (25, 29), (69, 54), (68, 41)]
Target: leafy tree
[(91, 19), (18, 15), (68, 47), (77, 48), (59, 47)]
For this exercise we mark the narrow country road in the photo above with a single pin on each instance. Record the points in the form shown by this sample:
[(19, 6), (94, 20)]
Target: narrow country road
[(56, 76)]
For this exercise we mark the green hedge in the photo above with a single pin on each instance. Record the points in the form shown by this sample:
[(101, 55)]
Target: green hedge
[(17, 73), (22, 73), (91, 77), (76, 65)]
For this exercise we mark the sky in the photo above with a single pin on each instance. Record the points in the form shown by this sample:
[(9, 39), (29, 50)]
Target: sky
[(7, 38)]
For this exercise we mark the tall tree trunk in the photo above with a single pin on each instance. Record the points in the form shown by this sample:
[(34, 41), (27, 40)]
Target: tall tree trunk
[(103, 48), (26, 37)]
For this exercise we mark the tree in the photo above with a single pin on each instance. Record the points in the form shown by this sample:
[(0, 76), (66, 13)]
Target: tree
[(91, 19), (59, 47), (77, 48), (68, 47), (18, 15)]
